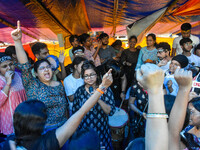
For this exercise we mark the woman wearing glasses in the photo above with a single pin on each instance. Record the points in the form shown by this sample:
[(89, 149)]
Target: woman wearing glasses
[(97, 117), (42, 88)]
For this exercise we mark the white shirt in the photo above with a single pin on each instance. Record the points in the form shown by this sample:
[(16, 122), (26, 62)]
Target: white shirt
[(194, 59), (71, 84), (177, 46)]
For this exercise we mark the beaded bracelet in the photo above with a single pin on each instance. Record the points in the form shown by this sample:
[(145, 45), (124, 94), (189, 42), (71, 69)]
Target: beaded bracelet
[(100, 91), (157, 115)]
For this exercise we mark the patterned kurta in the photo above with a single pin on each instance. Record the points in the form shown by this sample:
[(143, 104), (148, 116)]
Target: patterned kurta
[(96, 118), (53, 97), (138, 122), (89, 55), (9, 102)]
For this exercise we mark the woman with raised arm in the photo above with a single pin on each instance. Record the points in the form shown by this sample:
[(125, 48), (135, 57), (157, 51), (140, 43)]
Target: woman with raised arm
[(152, 77), (96, 118), (28, 134), (42, 88)]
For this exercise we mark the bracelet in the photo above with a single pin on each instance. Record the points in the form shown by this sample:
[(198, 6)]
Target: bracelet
[(157, 115), (100, 91), (103, 89)]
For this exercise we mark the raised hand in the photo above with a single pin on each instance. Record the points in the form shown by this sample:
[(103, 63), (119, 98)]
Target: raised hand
[(99, 44), (151, 77), (162, 62), (9, 76), (193, 95), (61, 57), (183, 78), (17, 33), (107, 79)]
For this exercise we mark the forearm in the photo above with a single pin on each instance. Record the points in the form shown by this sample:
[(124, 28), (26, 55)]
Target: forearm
[(21, 55), (156, 129), (106, 108), (96, 53), (135, 109), (124, 83), (177, 118), (6, 89), (65, 131), (63, 71), (3, 97)]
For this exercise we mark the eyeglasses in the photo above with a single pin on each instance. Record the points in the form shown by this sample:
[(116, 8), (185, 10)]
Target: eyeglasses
[(43, 67), (86, 77), (6, 65)]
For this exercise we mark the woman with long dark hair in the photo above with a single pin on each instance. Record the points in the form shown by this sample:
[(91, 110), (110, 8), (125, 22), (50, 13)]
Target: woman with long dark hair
[(97, 117)]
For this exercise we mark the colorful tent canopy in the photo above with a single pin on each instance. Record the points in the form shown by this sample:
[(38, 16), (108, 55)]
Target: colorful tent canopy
[(44, 19)]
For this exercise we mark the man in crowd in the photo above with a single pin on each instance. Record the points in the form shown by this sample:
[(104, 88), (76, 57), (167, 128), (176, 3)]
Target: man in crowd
[(194, 60), (41, 51), (73, 39), (185, 33), (105, 51), (163, 55)]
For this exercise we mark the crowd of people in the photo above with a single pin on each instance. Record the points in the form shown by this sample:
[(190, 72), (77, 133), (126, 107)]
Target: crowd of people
[(44, 107)]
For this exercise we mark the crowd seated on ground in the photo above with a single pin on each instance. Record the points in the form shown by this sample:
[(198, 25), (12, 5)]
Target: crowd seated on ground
[(43, 107)]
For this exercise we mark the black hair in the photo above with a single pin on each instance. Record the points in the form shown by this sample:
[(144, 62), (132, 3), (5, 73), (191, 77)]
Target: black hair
[(133, 37), (85, 139), (10, 50), (184, 40), (163, 45), (153, 37), (29, 119), (37, 63), (90, 65), (72, 37), (102, 35), (83, 37), (78, 47), (186, 26), (117, 42), (116, 70), (137, 144), (37, 47), (77, 61), (196, 103)]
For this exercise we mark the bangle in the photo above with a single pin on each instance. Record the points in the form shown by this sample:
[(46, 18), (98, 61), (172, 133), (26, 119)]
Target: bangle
[(100, 91), (157, 115), (103, 89)]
